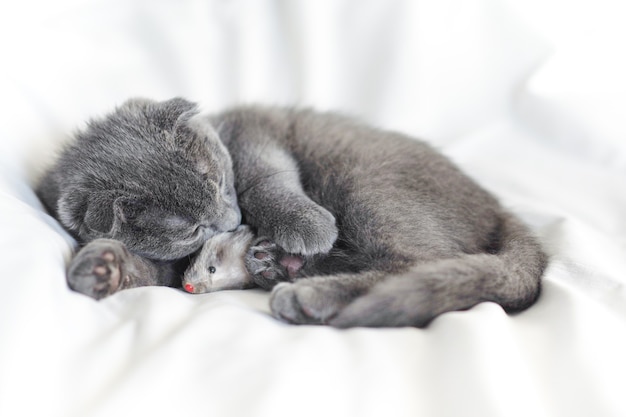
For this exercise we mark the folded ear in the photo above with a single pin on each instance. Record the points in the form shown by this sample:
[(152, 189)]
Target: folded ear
[(107, 210), (199, 137), (178, 105), (71, 208), (127, 208), (137, 103), (95, 214), (165, 115), (201, 127), (102, 210)]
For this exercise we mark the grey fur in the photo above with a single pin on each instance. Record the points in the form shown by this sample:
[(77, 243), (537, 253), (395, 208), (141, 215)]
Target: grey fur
[(386, 231), (149, 175)]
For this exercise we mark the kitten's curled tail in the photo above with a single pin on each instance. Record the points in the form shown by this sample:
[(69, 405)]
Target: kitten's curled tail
[(509, 274)]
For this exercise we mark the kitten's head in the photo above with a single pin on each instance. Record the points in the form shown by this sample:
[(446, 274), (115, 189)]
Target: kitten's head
[(153, 175)]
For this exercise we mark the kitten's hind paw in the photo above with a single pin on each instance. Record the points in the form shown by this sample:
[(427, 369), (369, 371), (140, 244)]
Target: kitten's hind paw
[(97, 270), (269, 264), (308, 301)]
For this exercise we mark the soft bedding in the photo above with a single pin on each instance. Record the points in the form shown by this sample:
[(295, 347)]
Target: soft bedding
[(528, 97)]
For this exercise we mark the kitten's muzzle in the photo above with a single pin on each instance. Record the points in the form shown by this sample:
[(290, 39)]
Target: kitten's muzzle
[(229, 221)]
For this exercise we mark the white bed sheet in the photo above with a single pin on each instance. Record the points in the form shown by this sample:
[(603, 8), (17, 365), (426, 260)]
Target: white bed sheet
[(528, 97)]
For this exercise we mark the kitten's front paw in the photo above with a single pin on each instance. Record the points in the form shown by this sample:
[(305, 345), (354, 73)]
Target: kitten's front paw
[(97, 270), (269, 264), (307, 232), (308, 301)]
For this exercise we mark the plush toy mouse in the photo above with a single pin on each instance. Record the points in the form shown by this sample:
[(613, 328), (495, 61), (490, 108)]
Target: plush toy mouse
[(220, 265)]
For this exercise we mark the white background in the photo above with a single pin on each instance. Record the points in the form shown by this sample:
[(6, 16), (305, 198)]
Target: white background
[(527, 96)]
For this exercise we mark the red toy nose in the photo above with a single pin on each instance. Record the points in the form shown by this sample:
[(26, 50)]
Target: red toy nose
[(189, 288)]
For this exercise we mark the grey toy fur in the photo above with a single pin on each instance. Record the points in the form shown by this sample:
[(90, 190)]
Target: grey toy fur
[(220, 265), (357, 226)]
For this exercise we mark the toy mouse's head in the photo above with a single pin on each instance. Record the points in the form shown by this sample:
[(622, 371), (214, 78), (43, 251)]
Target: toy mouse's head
[(219, 265)]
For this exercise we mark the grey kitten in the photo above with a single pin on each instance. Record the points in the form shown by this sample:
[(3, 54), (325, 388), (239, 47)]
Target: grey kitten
[(386, 231)]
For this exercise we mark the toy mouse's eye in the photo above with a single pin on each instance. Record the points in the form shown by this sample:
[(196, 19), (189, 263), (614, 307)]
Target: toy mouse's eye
[(211, 270)]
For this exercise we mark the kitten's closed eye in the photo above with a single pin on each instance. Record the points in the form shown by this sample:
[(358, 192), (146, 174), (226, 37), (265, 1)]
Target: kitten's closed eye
[(187, 228), (171, 225)]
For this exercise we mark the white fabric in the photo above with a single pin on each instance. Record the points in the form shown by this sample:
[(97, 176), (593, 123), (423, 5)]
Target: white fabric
[(527, 96)]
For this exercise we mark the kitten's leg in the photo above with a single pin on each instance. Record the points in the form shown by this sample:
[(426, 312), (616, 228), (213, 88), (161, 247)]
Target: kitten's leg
[(272, 200), (411, 298), (509, 275), (105, 266), (319, 300)]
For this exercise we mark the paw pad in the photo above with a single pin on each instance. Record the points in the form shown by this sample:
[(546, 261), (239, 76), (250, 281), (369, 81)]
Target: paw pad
[(269, 264), (96, 272)]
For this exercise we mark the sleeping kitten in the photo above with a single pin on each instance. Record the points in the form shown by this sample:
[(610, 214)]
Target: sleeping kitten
[(386, 231)]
